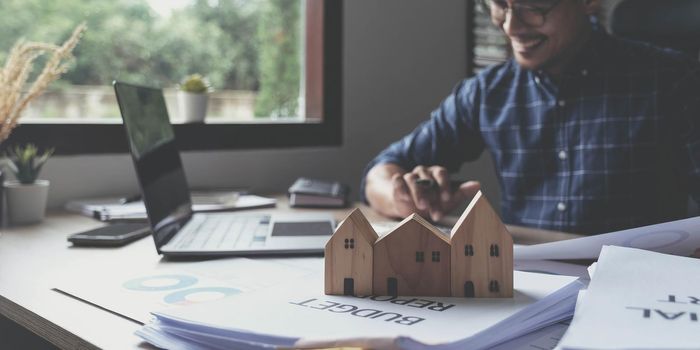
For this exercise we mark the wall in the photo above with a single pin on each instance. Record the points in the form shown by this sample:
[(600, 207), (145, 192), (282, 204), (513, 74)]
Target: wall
[(401, 57)]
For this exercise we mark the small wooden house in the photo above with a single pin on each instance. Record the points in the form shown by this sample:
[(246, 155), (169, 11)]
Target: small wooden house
[(482, 253), (349, 252), (413, 259)]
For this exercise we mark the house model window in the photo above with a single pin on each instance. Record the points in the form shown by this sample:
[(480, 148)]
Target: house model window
[(387, 265), (468, 250), (494, 250), (350, 243)]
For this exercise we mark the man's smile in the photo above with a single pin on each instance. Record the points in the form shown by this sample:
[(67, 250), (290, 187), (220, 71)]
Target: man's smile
[(524, 45)]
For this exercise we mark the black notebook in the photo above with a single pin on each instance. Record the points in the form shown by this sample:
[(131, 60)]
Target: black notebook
[(306, 192)]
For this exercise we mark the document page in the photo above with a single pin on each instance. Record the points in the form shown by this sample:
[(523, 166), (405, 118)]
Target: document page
[(680, 237), (638, 300), (135, 294)]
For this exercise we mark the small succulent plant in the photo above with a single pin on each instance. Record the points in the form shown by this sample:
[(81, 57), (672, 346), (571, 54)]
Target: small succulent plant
[(26, 162), (195, 83)]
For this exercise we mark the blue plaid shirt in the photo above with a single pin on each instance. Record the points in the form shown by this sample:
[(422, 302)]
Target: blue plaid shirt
[(613, 143)]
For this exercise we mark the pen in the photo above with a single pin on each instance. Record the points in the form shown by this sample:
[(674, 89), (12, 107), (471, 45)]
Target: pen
[(432, 184), (426, 183)]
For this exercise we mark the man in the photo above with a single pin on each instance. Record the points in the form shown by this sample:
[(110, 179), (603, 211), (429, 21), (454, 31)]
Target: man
[(588, 133)]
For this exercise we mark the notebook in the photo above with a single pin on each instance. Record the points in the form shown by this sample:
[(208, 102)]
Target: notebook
[(178, 231), (315, 193)]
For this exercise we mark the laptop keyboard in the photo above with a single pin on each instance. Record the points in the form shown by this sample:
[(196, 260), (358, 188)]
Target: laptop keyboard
[(220, 232)]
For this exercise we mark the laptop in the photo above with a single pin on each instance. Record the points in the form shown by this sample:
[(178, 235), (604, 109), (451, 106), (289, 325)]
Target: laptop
[(178, 231)]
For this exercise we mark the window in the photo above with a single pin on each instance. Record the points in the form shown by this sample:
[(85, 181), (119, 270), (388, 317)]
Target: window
[(486, 43), (493, 251), (468, 250), (275, 66), (436, 256), (350, 243), (420, 257)]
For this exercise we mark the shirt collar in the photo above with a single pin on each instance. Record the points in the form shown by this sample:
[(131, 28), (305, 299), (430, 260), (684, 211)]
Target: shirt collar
[(589, 60)]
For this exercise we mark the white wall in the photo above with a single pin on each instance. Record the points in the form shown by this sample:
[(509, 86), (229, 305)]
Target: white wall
[(401, 57)]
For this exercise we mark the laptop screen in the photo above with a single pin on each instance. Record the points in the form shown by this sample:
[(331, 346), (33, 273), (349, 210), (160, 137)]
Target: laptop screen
[(156, 159)]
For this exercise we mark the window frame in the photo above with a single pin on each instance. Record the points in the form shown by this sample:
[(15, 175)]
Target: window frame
[(98, 138)]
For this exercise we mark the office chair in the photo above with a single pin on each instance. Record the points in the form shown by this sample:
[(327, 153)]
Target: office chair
[(666, 23)]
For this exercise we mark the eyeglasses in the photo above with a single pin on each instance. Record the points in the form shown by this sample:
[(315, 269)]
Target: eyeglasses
[(532, 15)]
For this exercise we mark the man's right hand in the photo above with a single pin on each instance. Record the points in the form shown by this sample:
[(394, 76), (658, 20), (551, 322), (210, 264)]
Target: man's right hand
[(397, 193)]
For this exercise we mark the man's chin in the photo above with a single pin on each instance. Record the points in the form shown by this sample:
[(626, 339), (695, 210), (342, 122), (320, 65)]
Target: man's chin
[(528, 63)]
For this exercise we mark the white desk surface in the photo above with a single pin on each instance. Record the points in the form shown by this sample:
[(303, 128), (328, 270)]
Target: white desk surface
[(33, 258)]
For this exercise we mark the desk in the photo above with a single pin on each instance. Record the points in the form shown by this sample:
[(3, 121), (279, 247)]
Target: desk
[(34, 258)]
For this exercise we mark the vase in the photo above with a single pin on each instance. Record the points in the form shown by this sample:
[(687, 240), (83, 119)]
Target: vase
[(26, 203), (193, 107)]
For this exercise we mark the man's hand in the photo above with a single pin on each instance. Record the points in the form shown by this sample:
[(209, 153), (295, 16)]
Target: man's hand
[(394, 192)]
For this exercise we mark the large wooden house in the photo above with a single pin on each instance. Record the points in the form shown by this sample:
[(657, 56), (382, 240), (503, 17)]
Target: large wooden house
[(482, 253), (417, 259)]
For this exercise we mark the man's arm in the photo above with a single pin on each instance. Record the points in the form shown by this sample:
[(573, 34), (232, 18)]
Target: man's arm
[(385, 191), (439, 145), (394, 192)]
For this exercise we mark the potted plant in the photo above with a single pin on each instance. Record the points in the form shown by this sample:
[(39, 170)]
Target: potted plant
[(192, 98), (17, 90), (27, 195)]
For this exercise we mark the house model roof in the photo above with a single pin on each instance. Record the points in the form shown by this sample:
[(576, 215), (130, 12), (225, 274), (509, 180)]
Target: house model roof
[(417, 218), (467, 212), (361, 224)]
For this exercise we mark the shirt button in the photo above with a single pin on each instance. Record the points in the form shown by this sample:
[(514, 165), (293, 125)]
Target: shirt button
[(562, 103), (561, 206), (537, 80), (562, 155)]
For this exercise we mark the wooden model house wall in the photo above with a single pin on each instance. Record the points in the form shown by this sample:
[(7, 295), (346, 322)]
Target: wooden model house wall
[(416, 259), (482, 253), (349, 255), (413, 259)]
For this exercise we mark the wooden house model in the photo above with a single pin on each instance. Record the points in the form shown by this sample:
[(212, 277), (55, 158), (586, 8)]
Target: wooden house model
[(417, 259), (348, 253), (412, 259), (482, 253)]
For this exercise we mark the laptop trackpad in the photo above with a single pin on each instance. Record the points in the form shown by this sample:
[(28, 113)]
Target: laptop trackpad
[(310, 228), (300, 232)]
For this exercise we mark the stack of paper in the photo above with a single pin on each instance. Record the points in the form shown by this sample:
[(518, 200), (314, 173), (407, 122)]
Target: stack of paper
[(680, 237), (638, 300), (299, 315)]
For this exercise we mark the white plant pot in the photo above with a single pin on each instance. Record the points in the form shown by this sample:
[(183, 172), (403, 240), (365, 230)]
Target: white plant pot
[(26, 204), (193, 107)]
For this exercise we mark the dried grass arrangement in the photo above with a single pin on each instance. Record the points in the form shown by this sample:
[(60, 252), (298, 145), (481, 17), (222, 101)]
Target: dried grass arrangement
[(14, 96)]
